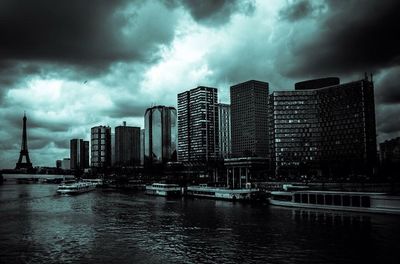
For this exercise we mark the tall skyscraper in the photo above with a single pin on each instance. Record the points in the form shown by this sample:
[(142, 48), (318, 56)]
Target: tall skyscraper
[(224, 135), (112, 148), (79, 154), (127, 146), (160, 135), (198, 124), (142, 145), (249, 115), (101, 146), (324, 125)]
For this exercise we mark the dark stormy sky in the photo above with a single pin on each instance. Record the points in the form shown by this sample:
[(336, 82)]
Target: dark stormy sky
[(79, 63)]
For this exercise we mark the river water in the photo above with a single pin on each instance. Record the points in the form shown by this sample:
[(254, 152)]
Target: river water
[(39, 226)]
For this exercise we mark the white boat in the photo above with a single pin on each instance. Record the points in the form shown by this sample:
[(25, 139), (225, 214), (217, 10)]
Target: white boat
[(164, 189), (336, 200), (75, 187), (96, 182), (220, 193)]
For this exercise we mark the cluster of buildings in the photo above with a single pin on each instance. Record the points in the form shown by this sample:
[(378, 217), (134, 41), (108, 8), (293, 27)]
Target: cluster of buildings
[(322, 128), (127, 146)]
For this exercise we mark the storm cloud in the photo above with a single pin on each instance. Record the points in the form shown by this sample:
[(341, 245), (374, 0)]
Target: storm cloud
[(351, 36), (389, 90), (218, 11), (88, 33), (297, 11)]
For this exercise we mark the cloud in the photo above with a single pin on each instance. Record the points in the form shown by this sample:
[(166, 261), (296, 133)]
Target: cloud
[(238, 54), (79, 39), (127, 107), (388, 86), (213, 12), (388, 125), (352, 36), (296, 11), (82, 32)]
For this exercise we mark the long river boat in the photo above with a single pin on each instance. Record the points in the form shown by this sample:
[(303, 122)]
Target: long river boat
[(338, 200)]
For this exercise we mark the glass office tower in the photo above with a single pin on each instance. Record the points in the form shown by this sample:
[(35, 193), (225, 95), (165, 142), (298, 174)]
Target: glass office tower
[(160, 139)]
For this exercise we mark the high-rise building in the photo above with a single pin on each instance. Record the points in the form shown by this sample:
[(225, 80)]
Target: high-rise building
[(127, 146), (160, 137), (249, 115), (198, 124), (390, 150), (224, 135), (390, 158), (58, 164), (79, 154), (66, 164), (112, 148), (142, 145), (101, 146), (324, 126)]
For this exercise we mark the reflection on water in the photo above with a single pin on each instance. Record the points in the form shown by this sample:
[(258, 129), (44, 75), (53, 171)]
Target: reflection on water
[(37, 226), (337, 218)]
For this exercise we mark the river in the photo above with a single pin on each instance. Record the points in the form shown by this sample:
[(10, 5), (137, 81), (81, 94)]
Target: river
[(39, 226)]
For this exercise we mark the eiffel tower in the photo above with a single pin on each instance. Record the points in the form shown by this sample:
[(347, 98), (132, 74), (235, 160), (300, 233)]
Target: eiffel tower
[(24, 150)]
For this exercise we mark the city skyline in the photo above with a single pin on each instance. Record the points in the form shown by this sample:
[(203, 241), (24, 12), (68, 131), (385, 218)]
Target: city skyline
[(67, 88), (346, 110)]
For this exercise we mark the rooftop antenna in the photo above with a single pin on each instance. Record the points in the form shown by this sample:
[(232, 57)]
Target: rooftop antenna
[(366, 76), (372, 77)]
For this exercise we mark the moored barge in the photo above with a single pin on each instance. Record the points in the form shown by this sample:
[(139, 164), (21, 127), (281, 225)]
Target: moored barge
[(337, 200)]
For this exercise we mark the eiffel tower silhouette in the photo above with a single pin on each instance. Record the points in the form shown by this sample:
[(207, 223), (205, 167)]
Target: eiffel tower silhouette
[(24, 150)]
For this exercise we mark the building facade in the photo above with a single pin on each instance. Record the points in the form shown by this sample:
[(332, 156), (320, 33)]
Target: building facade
[(198, 123), (390, 150), (390, 157), (160, 136), (100, 146), (79, 154), (58, 164), (112, 148), (142, 145), (127, 146), (224, 133), (66, 164), (324, 128), (249, 115)]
